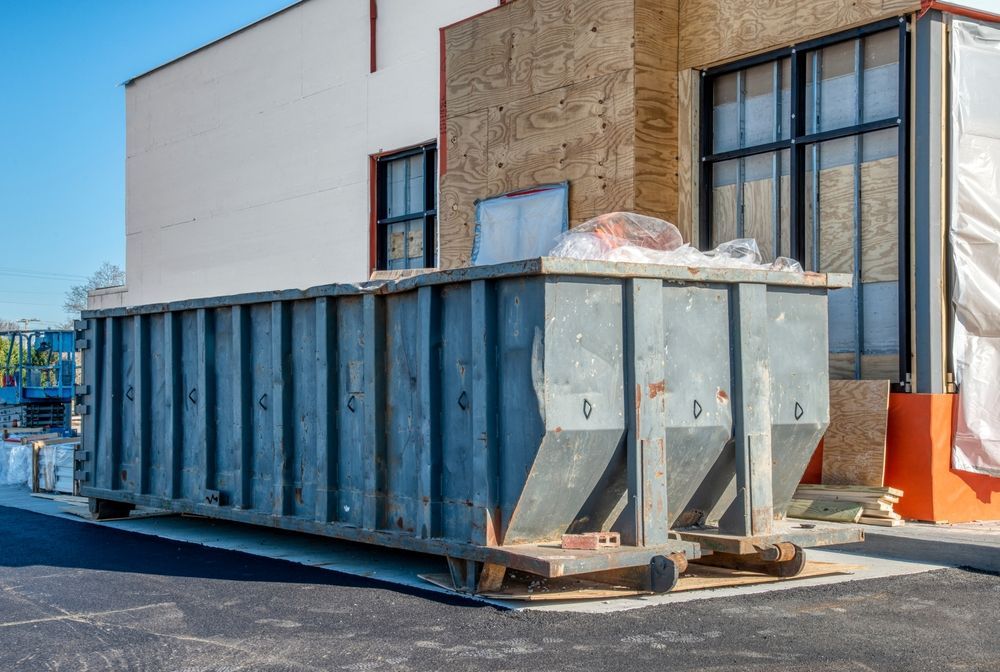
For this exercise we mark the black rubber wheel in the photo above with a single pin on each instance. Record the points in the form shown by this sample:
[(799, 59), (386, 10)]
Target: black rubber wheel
[(663, 574), (789, 568)]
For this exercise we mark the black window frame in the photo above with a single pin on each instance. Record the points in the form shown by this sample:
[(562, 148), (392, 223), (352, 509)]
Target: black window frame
[(428, 214), (796, 144)]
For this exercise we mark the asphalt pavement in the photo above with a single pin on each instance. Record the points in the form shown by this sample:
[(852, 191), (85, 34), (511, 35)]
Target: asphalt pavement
[(75, 596)]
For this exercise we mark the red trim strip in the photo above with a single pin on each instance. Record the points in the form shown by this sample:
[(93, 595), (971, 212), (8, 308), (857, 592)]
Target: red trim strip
[(372, 213), (977, 14), (373, 20)]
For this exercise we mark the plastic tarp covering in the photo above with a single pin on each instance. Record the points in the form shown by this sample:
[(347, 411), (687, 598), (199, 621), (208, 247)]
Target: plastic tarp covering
[(629, 237), (520, 225), (975, 242), (15, 463)]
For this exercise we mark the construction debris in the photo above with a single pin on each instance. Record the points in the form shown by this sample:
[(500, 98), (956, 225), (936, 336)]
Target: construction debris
[(876, 502)]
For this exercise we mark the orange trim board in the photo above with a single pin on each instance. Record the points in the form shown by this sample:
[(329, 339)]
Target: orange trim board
[(918, 462)]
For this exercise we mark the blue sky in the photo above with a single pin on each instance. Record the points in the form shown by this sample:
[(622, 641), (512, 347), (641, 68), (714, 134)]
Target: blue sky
[(62, 130)]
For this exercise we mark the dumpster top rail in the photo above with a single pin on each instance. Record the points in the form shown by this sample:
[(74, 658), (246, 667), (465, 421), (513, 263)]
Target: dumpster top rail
[(538, 266)]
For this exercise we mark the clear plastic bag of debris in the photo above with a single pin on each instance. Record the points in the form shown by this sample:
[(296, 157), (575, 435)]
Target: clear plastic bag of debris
[(628, 237)]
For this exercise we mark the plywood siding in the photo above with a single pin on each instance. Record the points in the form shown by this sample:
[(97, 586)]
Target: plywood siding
[(541, 91), (715, 31), (656, 100), (688, 164)]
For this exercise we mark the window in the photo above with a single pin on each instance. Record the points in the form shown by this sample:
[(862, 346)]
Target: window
[(406, 209), (804, 149)]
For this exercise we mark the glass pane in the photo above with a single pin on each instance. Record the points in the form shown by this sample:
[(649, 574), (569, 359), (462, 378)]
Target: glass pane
[(416, 184), (763, 211), (831, 87), (785, 109), (881, 76), (415, 243), (396, 188), (725, 114), (830, 205), (724, 177), (765, 207), (759, 122)]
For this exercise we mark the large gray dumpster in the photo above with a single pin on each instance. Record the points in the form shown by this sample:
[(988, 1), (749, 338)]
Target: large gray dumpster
[(477, 414)]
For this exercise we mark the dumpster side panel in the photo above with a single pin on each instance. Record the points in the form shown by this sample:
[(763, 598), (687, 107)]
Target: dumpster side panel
[(699, 391), (403, 413), (304, 387), (582, 392), (520, 348), (800, 386)]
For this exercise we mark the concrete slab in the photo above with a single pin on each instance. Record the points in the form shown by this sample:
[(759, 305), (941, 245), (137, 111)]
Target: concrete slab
[(975, 545), (402, 568)]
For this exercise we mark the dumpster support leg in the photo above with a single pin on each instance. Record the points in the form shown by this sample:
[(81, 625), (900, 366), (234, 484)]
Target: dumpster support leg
[(752, 513)]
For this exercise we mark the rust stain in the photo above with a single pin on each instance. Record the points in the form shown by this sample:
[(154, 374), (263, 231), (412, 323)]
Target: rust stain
[(721, 396), (656, 389), (694, 270), (124, 475), (557, 430)]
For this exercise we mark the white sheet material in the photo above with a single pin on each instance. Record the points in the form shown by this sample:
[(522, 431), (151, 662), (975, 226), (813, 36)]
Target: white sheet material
[(975, 241)]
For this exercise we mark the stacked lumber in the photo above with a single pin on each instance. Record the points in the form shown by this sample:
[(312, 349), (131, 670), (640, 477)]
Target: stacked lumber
[(871, 504)]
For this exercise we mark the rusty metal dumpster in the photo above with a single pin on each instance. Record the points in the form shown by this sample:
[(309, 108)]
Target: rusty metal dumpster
[(477, 414)]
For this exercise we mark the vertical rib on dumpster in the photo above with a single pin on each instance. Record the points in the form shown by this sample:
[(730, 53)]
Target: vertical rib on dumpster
[(281, 405), (172, 382), (326, 414), (242, 382), (205, 406), (427, 406), (485, 470), (93, 371), (113, 374), (645, 392), (752, 512), (142, 400), (373, 453)]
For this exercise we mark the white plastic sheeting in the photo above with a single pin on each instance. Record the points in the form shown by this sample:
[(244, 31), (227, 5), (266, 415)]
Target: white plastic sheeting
[(15, 463), (630, 237), (520, 225), (975, 242)]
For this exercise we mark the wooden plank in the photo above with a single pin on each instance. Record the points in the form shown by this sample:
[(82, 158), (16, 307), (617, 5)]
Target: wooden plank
[(861, 490), (688, 167), (854, 445), (884, 522), (832, 511)]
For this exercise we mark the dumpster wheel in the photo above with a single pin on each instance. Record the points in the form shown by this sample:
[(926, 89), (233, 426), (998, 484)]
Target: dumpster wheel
[(783, 560), (665, 571)]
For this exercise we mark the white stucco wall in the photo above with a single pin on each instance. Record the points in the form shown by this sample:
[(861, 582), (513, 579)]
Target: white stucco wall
[(247, 161)]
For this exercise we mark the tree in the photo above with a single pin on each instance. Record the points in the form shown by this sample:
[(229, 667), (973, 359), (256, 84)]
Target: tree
[(108, 275)]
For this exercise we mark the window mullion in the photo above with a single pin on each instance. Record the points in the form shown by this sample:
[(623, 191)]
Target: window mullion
[(859, 299)]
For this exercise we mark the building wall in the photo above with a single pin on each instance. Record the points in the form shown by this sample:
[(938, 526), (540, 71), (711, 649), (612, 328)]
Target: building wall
[(602, 94), (247, 161), (538, 92)]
